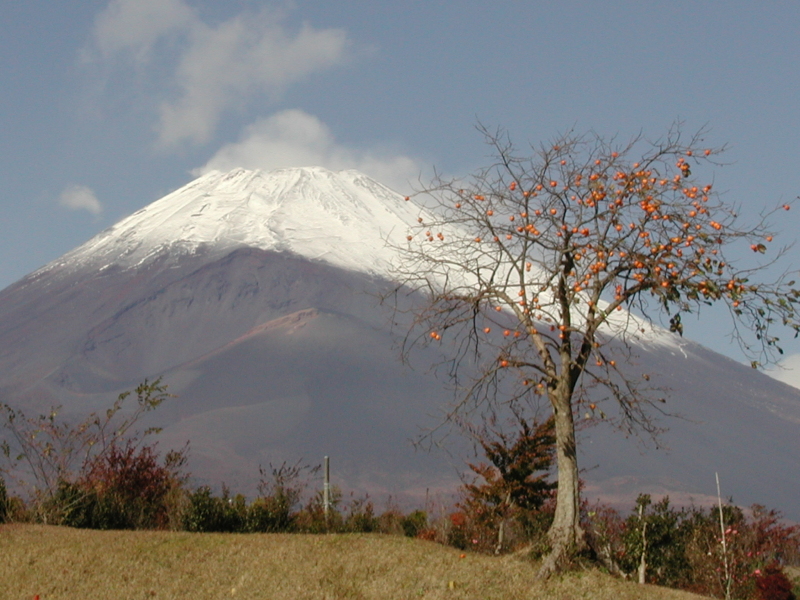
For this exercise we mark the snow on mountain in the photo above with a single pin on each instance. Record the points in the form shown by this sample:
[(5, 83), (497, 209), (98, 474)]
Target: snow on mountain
[(344, 219)]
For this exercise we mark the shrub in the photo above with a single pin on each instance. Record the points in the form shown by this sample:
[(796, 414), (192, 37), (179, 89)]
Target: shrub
[(203, 512), (604, 530), (234, 512), (534, 525), (505, 508), (123, 488), (280, 490), (414, 523), (72, 506), (684, 547), (429, 534), (269, 515), (390, 521), (17, 511), (360, 516), (312, 519), (658, 531), (207, 513), (457, 532), (45, 451), (772, 584), (771, 540), (274, 510), (751, 543)]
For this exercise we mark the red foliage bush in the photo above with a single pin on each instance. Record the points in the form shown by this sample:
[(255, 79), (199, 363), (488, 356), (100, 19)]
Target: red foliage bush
[(458, 519), (772, 584), (428, 534), (124, 488)]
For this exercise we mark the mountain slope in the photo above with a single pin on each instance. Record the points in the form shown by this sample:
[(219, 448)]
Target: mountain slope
[(257, 297)]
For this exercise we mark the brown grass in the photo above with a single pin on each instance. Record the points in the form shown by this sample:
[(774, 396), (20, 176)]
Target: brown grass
[(56, 562)]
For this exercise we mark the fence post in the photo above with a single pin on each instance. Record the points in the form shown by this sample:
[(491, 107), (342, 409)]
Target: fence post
[(724, 545), (326, 490)]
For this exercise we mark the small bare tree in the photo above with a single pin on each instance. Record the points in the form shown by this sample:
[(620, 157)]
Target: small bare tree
[(536, 267), (46, 450)]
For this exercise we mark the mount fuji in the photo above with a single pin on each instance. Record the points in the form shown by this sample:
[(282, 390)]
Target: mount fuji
[(256, 296)]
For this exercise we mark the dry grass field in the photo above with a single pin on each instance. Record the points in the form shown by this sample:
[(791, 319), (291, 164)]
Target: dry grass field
[(55, 562)]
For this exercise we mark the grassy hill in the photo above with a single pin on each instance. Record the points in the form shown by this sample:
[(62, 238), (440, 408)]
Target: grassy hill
[(64, 563)]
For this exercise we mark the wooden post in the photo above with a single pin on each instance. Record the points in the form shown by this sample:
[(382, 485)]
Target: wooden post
[(326, 489), (724, 544), (643, 560)]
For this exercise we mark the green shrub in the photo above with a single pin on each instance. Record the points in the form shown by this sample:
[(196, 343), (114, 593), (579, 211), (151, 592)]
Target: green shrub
[(234, 512), (661, 531), (208, 513), (360, 517), (71, 506), (414, 523), (203, 511), (312, 518), (280, 491), (269, 515), (534, 525)]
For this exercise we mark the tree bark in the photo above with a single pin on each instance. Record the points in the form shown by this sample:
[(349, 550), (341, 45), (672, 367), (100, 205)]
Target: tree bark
[(501, 532), (501, 536), (567, 538)]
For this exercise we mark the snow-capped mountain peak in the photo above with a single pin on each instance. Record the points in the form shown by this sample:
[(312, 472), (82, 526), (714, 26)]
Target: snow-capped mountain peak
[(343, 218)]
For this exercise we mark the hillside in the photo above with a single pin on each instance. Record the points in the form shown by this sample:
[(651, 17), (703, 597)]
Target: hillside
[(64, 563)]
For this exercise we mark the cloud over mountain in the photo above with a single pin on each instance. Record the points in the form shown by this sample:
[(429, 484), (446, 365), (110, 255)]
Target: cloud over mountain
[(294, 138)]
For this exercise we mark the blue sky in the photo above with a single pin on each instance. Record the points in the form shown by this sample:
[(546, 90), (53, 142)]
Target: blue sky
[(107, 106)]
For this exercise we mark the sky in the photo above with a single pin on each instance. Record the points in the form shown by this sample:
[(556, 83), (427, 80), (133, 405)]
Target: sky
[(108, 106)]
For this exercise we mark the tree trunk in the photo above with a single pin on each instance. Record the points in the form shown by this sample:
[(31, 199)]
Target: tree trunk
[(567, 538), (501, 536), (501, 532)]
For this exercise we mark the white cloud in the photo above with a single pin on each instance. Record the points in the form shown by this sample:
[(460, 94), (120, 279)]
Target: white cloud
[(137, 25), (80, 197), (217, 68), (293, 138), (788, 370)]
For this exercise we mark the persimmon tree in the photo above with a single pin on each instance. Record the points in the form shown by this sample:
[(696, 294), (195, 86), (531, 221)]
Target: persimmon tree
[(541, 270)]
